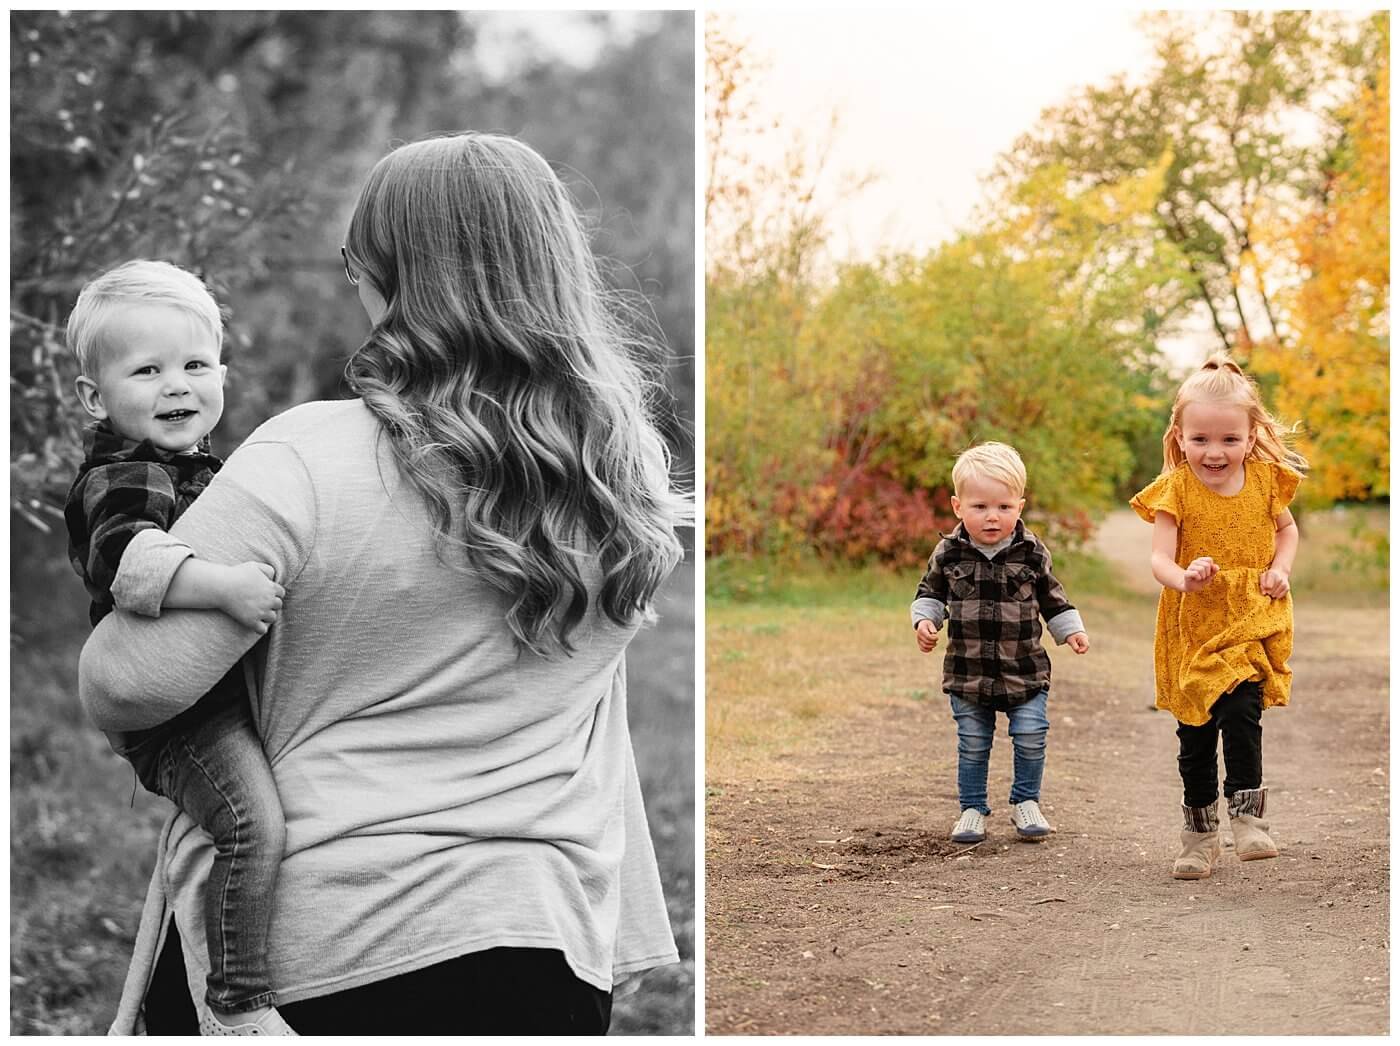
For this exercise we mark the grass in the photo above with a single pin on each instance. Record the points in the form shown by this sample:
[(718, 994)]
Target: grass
[(81, 847), (1344, 554)]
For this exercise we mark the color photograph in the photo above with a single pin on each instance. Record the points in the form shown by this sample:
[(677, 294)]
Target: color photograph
[(1046, 522), (352, 631)]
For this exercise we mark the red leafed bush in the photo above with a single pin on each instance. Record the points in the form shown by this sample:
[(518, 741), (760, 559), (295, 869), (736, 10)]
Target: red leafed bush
[(861, 513)]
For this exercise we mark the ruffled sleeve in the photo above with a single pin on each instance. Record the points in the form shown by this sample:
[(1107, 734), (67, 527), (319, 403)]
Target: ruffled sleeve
[(1163, 494), (1283, 485)]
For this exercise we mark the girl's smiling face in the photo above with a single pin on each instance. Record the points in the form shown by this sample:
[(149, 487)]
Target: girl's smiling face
[(1216, 438)]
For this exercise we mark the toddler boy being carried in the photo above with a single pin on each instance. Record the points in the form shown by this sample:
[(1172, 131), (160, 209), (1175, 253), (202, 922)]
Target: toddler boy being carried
[(147, 336)]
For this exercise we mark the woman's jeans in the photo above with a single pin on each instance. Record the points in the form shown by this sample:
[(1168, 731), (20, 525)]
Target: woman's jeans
[(216, 771), (500, 991), (1235, 719), (1027, 724)]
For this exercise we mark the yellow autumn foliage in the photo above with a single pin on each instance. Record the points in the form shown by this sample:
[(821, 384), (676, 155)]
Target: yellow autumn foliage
[(1333, 365)]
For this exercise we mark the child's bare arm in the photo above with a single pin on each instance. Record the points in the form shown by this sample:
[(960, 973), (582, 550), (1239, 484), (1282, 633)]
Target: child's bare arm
[(1274, 581), (245, 592), (1194, 577)]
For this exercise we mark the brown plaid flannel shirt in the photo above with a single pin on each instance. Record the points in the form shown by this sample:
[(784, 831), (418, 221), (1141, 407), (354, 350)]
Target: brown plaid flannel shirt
[(994, 607)]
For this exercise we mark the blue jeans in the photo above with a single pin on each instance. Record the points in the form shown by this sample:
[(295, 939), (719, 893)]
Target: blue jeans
[(1027, 724), (216, 771)]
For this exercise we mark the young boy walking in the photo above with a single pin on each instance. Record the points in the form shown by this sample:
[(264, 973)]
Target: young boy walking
[(991, 581)]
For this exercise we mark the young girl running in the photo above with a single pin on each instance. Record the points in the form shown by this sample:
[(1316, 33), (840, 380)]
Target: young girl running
[(1223, 543)]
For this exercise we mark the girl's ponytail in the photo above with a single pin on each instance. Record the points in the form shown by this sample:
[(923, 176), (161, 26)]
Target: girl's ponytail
[(1220, 361)]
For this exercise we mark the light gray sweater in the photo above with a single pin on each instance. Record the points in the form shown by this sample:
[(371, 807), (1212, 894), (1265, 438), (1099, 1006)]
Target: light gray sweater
[(442, 794)]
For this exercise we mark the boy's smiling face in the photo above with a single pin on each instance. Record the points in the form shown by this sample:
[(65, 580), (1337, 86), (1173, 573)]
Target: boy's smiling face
[(988, 509), (158, 378)]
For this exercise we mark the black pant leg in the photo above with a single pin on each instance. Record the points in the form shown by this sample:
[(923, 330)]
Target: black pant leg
[(1242, 736), (1196, 761), (169, 1009), (500, 991)]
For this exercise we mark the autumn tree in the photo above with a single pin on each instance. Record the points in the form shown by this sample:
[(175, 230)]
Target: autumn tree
[(1230, 101), (769, 400), (1331, 361), (838, 397)]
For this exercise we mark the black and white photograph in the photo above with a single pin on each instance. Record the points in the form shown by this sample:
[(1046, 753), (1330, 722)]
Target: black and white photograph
[(353, 508)]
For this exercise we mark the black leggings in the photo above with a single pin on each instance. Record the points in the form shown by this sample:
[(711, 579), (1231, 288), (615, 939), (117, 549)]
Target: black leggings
[(500, 991), (1235, 719)]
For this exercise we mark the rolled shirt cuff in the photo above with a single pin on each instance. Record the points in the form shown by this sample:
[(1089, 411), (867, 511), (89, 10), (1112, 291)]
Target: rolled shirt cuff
[(1065, 624), (147, 566), (926, 608)]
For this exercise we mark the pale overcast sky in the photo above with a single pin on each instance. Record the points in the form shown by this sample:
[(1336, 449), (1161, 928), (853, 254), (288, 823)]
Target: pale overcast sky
[(928, 99)]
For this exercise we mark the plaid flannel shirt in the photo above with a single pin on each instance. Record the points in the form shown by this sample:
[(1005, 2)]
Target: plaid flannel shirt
[(122, 488), (993, 607)]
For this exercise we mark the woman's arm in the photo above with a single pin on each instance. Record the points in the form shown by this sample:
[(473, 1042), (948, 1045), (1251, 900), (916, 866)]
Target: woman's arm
[(137, 672)]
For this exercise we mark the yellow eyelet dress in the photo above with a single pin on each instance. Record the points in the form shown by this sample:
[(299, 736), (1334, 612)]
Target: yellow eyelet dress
[(1229, 632)]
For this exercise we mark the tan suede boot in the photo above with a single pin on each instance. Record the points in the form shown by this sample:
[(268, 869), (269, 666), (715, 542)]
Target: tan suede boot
[(1200, 843), (1247, 825)]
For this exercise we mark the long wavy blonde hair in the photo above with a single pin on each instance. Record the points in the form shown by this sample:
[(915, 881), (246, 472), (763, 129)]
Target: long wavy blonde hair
[(1221, 380), (515, 399)]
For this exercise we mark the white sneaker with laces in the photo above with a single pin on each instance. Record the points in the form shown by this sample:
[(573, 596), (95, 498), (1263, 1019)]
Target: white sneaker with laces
[(971, 827), (1030, 823)]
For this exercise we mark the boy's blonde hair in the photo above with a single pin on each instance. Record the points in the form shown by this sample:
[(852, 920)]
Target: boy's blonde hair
[(1220, 380), (994, 461), (138, 282)]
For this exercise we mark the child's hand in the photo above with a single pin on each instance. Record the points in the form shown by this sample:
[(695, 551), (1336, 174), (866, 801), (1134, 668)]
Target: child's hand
[(926, 635), (1273, 583), (1079, 642), (251, 597), (1198, 574)]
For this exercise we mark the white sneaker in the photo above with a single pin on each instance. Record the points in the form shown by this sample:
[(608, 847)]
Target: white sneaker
[(268, 1022), (1029, 821), (971, 827)]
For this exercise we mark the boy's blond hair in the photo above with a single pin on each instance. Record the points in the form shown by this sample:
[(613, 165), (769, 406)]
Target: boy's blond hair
[(138, 282), (994, 461)]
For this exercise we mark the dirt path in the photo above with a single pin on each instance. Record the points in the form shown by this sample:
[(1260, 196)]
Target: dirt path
[(836, 905)]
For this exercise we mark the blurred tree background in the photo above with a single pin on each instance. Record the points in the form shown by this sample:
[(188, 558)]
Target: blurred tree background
[(234, 143), (1243, 179)]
